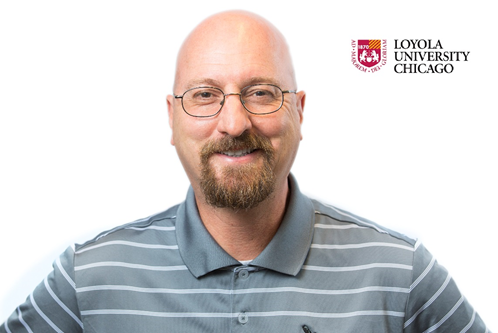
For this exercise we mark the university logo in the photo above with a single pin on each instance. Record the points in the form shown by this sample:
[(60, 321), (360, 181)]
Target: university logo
[(369, 52), (369, 55)]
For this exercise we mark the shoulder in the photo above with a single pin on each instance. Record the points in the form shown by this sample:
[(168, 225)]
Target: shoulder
[(331, 217), (157, 223)]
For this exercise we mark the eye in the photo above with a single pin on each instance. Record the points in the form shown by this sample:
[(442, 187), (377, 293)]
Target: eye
[(205, 94), (260, 93), (257, 92)]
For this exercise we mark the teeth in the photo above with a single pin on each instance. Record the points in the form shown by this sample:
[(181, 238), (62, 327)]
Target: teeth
[(237, 153)]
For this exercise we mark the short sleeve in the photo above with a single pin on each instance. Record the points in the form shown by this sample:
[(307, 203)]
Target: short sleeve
[(52, 306), (435, 303)]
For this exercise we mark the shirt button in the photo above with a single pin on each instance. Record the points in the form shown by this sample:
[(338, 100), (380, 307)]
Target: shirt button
[(244, 274), (243, 318)]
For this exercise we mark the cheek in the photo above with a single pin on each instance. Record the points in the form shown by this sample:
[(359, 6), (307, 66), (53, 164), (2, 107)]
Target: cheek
[(189, 136), (284, 131), (190, 133)]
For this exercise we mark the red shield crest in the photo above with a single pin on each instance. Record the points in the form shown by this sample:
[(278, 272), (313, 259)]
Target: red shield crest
[(369, 53)]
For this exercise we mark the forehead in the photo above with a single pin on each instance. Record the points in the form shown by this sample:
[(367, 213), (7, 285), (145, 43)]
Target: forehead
[(241, 55)]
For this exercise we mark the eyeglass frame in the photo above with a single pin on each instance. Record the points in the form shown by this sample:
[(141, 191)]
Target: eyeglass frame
[(240, 98)]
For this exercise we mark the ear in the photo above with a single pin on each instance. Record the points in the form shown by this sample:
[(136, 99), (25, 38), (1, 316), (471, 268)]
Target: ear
[(169, 101), (300, 100)]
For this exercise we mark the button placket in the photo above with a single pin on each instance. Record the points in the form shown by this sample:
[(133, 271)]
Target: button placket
[(241, 280)]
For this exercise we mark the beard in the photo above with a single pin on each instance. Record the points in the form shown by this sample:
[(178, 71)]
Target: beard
[(238, 187)]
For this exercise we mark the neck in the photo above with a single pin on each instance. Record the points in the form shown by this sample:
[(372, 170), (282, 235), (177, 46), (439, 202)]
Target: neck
[(244, 234)]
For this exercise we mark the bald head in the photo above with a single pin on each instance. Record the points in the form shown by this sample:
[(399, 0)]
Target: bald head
[(234, 45)]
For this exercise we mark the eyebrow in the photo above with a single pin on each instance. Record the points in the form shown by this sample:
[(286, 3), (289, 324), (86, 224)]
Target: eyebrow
[(202, 82), (262, 79)]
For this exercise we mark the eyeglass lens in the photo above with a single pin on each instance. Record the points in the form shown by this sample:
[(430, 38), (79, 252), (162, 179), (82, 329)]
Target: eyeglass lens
[(208, 101)]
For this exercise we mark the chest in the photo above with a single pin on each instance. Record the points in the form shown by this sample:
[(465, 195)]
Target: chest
[(136, 299)]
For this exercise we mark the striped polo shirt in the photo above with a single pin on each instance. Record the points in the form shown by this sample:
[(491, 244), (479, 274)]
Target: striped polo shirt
[(325, 270)]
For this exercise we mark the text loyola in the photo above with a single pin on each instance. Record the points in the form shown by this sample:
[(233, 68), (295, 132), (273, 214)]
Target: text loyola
[(414, 53)]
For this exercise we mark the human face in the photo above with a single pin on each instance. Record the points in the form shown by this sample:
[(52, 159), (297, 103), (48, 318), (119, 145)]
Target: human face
[(227, 61)]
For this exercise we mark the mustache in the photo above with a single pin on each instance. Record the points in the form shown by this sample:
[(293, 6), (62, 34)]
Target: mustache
[(249, 141)]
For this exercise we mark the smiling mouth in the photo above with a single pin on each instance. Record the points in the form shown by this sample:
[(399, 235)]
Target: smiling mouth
[(237, 153)]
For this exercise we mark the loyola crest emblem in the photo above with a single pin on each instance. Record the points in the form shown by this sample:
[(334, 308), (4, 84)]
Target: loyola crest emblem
[(369, 55), (369, 52)]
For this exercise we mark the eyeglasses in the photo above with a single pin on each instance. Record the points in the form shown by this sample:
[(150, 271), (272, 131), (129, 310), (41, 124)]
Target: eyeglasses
[(257, 99)]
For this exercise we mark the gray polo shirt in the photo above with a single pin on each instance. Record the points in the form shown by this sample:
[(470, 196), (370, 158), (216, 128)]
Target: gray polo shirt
[(325, 270)]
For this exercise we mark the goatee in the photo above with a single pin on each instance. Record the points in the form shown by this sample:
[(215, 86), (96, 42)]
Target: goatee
[(238, 187)]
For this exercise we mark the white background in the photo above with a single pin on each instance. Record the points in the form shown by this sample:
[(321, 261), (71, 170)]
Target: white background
[(84, 136)]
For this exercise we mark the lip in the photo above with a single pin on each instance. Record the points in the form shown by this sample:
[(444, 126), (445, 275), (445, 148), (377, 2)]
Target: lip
[(238, 157), (237, 152)]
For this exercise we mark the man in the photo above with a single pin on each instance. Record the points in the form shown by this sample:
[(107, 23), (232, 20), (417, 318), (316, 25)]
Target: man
[(246, 251)]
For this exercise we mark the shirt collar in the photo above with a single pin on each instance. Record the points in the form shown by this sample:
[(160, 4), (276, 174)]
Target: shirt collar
[(285, 253)]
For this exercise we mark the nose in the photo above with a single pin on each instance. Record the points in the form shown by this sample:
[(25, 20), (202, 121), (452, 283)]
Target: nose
[(233, 119)]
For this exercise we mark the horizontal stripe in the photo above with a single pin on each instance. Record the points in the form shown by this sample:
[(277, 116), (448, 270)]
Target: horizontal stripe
[(471, 322), (242, 291), (326, 315), (152, 227), (137, 228), (152, 290), (321, 291), (429, 302), (360, 246), (21, 319), (132, 244), (249, 314), (128, 265), (61, 304), (445, 318), (364, 222), (356, 268), (40, 312), (424, 274), (64, 273), (159, 314), (338, 227)]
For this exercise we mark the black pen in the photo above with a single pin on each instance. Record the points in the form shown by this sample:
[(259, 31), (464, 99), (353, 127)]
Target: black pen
[(306, 329)]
